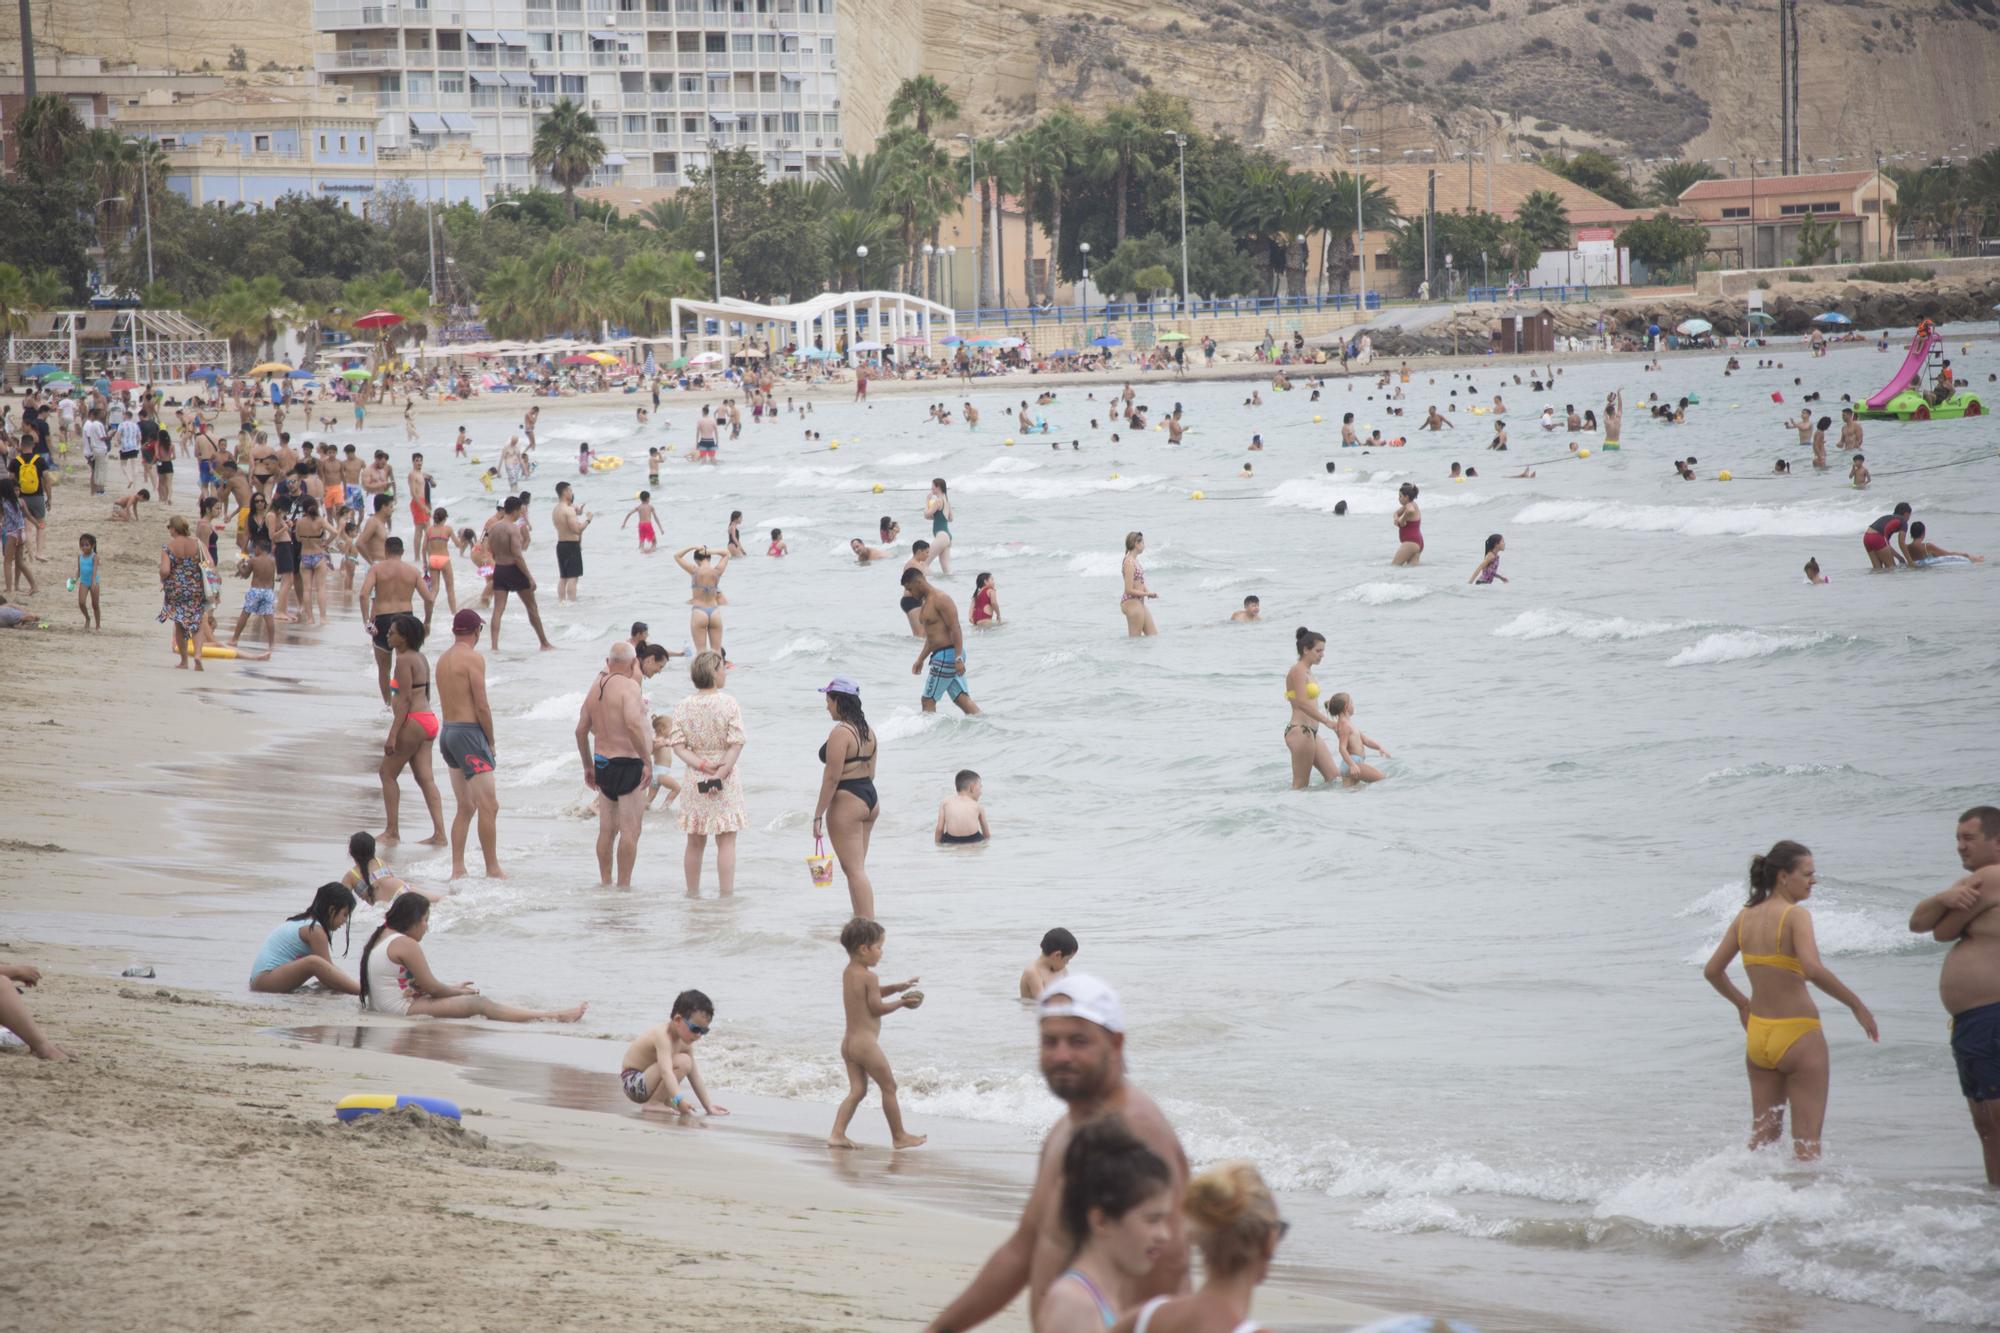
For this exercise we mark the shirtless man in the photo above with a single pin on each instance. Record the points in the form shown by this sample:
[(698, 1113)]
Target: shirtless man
[(620, 768), (944, 644), (1970, 983), (377, 479), (386, 592), (920, 559), (1850, 429), (375, 532), (510, 571), (1083, 1061), (863, 552), (1434, 420), (1614, 418), (420, 491), (570, 521), (466, 741), (350, 479)]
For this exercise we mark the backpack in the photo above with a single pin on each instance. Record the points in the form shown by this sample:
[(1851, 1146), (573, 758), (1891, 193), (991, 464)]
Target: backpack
[(30, 476)]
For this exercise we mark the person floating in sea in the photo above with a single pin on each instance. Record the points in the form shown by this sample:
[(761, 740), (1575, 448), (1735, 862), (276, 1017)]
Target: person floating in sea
[(1922, 548), (1785, 1049), (865, 998), (1252, 610), (661, 1058), (961, 819), (1969, 986)]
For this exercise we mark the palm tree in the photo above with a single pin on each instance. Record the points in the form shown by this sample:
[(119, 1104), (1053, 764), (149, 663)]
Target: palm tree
[(1060, 141), (666, 216), (114, 169), (919, 184), (923, 99), (857, 181), (1673, 179), (567, 148), (848, 229), (17, 303), (238, 313), (45, 129), (648, 284), (1545, 220), (510, 300), (1124, 143)]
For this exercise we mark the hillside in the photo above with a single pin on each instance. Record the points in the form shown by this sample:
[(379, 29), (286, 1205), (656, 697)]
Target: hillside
[(1654, 79)]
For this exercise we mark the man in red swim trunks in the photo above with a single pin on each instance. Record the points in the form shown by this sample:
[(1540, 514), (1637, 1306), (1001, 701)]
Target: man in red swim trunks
[(420, 493)]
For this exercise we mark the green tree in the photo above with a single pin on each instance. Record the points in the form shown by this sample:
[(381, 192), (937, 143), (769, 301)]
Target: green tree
[(1120, 275), (857, 181), (1545, 220), (921, 99), (1465, 237), (1150, 281), (1598, 173), (17, 305), (847, 230), (1663, 241), (241, 313), (1124, 152), (648, 284), (1216, 266), (45, 130), (1817, 240), (567, 148), (1673, 179), (1059, 142), (669, 216)]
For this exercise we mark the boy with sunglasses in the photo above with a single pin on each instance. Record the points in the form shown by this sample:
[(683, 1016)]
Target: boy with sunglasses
[(659, 1058)]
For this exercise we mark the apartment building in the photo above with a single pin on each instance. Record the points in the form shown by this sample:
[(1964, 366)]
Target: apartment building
[(667, 80)]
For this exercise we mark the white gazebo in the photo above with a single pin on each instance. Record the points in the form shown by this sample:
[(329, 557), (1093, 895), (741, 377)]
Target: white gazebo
[(883, 317)]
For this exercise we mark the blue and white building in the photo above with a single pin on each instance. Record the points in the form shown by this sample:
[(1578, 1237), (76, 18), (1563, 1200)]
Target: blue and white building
[(254, 146)]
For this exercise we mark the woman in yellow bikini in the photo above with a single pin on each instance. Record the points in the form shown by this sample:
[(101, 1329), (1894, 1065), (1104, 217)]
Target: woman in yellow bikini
[(1784, 1047)]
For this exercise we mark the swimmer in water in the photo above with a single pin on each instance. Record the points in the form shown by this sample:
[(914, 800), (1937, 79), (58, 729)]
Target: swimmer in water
[(1138, 616), (1857, 472), (937, 508), (1784, 1047), (1489, 564), (863, 552), (1922, 548), (1813, 576), (1409, 527), (1252, 610), (1351, 745), (1308, 750)]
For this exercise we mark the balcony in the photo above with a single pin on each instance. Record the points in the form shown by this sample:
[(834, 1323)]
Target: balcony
[(359, 58), (451, 60)]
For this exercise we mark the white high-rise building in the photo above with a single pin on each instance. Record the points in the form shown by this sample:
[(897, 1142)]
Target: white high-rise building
[(667, 80)]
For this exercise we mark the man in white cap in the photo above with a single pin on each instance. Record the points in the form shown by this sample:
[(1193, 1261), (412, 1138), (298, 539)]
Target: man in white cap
[(1083, 1060)]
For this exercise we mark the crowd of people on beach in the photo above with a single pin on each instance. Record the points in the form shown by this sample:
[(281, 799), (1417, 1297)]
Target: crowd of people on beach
[(1104, 1240)]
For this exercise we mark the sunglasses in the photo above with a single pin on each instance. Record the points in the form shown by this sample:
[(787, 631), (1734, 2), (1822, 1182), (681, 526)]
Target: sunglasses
[(697, 1029)]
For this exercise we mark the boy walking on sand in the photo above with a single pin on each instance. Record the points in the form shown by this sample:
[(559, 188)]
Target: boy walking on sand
[(1058, 947), (261, 597), (865, 999), (660, 1057)]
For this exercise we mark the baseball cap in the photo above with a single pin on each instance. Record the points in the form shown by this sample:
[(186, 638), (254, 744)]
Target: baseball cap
[(1079, 995), (841, 685), (467, 621)]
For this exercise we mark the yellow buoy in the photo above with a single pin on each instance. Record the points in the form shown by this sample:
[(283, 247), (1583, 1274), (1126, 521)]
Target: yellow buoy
[(1114, 476), (878, 488), (1583, 453), (1316, 418), (1723, 475), (1008, 440), (834, 445), (1198, 495)]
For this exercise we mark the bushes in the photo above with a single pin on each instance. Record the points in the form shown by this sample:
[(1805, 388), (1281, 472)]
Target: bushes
[(1463, 71), (1799, 277), (1643, 13), (1894, 273)]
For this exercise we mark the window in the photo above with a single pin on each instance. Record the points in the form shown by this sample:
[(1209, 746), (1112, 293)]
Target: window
[(743, 43), (417, 82), (791, 122), (715, 43), (343, 143), (767, 83), (770, 124), (812, 123), (260, 143), (569, 41), (635, 125), (830, 123), (361, 144), (451, 83), (1871, 205), (690, 124), (1796, 210), (767, 42), (322, 143), (690, 83), (574, 85), (1735, 212), (663, 124)]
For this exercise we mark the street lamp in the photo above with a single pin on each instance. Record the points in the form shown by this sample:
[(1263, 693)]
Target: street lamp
[(715, 214), (1083, 248), (861, 269), (930, 274), (979, 225), (145, 199), (1360, 231), (1180, 148), (951, 276)]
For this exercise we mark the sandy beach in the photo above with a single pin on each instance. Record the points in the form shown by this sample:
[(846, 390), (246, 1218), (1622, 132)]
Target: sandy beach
[(185, 1170)]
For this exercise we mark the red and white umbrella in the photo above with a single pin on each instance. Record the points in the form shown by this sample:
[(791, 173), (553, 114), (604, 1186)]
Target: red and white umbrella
[(910, 340), (706, 359), (378, 319)]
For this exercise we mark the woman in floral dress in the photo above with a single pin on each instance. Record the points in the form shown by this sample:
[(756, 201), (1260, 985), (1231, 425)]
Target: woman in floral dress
[(186, 593), (707, 734)]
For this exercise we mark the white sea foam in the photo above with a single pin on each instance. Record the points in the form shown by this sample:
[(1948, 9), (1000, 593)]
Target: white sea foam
[(1741, 646), (1716, 520), (1049, 488), (1840, 931), (553, 707), (1545, 623), (808, 646), (1376, 496), (1011, 463), (910, 458), (1384, 594)]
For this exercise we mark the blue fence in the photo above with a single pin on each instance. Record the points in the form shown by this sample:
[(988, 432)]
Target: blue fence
[(1097, 313), (1559, 295)]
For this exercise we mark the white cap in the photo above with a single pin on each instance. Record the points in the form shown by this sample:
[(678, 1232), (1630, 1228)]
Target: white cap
[(1079, 995)]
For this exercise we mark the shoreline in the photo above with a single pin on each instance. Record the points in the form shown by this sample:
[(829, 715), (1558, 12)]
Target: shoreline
[(550, 1207)]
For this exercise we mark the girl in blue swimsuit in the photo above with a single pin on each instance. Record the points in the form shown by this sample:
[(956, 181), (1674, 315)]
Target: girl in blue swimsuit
[(1117, 1202)]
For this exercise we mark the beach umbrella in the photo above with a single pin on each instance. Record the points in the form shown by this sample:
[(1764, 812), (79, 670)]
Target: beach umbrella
[(1063, 352), (355, 375), (1832, 317), (43, 370), (813, 354), (955, 341), (1008, 343), (121, 385), (208, 373), (868, 345), (706, 359), (1107, 341), (911, 340), (750, 351), (578, 360), (378, 319), (1761, 317), (1693, 327), (601, 358), (270, 368), (301, 375), (652, 366), (1175, 337), (60, 377), (678, 363)]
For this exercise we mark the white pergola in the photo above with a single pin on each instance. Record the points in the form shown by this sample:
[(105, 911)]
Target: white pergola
[(890, 316)]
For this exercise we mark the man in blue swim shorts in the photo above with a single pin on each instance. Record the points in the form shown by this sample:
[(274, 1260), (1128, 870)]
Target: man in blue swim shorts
[(944, 644), (1970, 986)]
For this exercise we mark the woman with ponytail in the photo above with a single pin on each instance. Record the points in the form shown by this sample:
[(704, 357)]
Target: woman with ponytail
[(1237, 1228), (1302, 737), (847, 805), (397, 979), (295, 953), (1785, 1050), (1117, 1208)]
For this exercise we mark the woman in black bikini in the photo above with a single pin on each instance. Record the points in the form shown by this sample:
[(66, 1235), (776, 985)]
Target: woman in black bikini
[(847, 804)]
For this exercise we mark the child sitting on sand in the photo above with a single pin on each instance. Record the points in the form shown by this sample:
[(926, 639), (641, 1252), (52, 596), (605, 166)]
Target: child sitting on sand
[(661, 1057), (961, 819), (865, 999), (1058, 947)]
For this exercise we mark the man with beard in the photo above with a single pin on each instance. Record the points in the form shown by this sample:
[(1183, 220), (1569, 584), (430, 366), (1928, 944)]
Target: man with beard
[(1083, 1061)]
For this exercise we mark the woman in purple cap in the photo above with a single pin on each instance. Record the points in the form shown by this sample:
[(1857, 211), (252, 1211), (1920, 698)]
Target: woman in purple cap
[(847, 805)]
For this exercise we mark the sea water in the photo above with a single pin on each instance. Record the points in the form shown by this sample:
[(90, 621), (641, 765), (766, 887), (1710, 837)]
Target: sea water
[(1457, 1018)]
